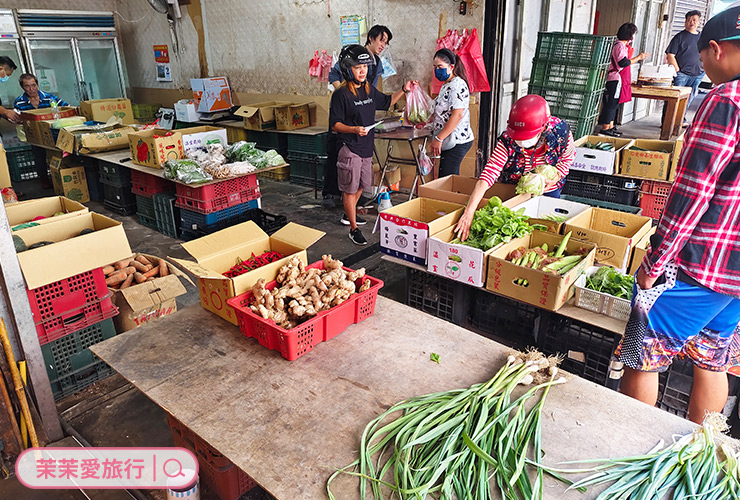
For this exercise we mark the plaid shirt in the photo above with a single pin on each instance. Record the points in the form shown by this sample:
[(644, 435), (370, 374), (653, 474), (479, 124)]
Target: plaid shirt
[(23, 102), (700, 226)]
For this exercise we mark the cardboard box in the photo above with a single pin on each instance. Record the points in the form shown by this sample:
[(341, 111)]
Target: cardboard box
[(261, 115), (539, 206), (70, 182), (153, 147), (71, 253), (405, 228), (145, 302), (45, 134), (651, 164), (199, 137), (456, 261), (185, 111), (638, 253), (457, 189), (101, 110), (677, 148), (48, 114), (4, 170), (216, 253), (615, 233), (85, 139), (26, 211), (31, 130), (597, 160), (211, 94), (541, 289), (292, 116)]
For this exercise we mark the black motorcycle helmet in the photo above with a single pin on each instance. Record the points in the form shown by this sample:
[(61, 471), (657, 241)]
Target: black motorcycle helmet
[(353, 55)]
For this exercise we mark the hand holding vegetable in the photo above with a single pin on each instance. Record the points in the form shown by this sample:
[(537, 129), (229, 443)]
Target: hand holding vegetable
[(462, 228)]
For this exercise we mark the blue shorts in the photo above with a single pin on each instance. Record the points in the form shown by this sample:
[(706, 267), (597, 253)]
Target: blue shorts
[(676, 318)]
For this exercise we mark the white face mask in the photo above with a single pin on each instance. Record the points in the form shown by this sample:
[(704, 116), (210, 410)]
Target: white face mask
[(529, 143)]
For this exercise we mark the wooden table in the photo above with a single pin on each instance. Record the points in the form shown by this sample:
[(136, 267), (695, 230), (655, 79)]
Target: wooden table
[(409, 135), (677, 99), (290, 424)]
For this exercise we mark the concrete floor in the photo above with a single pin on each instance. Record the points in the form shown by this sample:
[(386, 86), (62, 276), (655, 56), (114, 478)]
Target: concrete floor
[(113, 413)]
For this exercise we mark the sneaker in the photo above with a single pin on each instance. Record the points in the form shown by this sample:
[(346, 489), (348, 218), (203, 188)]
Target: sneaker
[(329, 201), (610, 132), (357, 237), (358, 220), (617, 131)]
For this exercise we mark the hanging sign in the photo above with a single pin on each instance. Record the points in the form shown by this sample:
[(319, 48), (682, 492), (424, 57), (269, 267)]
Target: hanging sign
[(162, 62)]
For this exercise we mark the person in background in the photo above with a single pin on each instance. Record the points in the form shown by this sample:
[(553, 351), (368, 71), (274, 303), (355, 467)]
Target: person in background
[(7, 66), (687, 298), (618, 62), (532, 138), (33, 98), (378, 38), (683, 55), (453, 136), (351, 110)]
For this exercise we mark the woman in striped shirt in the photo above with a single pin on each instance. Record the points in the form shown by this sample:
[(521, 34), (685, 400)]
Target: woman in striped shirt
[(532, 138)]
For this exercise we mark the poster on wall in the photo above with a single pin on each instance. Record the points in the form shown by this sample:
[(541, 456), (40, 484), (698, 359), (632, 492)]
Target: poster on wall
[(47, 80), (162, 63)]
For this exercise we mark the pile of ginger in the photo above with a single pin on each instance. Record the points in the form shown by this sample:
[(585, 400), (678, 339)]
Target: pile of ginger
[(302, 293)]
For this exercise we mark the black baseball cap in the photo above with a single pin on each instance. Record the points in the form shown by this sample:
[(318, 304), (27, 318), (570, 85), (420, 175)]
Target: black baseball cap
[(723, 26)]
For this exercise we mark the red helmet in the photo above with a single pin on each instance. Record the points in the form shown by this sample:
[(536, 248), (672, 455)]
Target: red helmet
[(527, 117)]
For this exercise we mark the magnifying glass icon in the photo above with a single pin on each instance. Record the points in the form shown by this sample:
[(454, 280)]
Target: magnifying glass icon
[(179, 470)]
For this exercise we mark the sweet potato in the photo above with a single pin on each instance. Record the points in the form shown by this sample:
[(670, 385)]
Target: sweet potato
[(139, 266), (142, 259), (163, 271), (129, 270), (116, 278), (140, 278), (109, 270), (150, 274), (127, 282), (122, 263)]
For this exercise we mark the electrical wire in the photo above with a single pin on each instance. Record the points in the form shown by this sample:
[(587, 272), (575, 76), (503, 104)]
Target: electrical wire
[(128, 20)]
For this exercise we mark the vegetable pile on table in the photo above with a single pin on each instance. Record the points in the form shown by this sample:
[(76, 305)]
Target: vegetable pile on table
[(302, 293), (450, 444), (252, 263), (134, 270), (494, 224), (555, 262), (607, 280), (604, 146)]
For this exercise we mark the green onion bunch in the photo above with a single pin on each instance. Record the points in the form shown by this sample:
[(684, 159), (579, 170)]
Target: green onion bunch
[(451, 444)]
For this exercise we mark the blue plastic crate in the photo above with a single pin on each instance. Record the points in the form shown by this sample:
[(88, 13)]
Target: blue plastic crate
[(194, 221)]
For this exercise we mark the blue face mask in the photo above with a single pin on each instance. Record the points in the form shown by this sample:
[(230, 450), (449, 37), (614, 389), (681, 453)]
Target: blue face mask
[(4, 78), (441, 74)]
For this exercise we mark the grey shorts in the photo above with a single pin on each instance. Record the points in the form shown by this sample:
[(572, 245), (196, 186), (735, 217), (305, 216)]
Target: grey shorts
[(353, 173)]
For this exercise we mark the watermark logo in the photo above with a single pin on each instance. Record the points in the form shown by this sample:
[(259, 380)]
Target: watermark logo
[(106, 468)]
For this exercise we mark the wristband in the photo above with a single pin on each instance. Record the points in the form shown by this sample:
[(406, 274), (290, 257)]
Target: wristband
[(437, 139)]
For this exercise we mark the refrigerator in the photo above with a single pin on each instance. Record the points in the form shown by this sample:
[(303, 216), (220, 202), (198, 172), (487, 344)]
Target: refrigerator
[(10, 46), (74, 54)]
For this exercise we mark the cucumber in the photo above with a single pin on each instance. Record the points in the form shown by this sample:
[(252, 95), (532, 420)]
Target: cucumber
[(20, 245)]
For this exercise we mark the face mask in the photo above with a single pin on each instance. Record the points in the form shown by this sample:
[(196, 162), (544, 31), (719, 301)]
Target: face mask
[(441, 74), (4, 78), (529, 143)]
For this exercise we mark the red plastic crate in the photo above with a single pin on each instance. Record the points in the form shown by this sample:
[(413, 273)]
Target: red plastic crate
[(216, 204), (218, 189), (297, 341), (70, 304), (652, 204), (656, 187), (149, 185), (224, 478)]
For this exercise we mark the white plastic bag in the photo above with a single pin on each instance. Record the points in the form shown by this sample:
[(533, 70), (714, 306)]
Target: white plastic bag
[(387, 61), (425, 163)]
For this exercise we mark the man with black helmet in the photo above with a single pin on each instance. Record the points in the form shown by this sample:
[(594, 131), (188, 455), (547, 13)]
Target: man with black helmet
[(351, 111)]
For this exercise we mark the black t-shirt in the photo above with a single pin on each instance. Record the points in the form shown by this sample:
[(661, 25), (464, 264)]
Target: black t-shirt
[(683, 46), (353, 110)]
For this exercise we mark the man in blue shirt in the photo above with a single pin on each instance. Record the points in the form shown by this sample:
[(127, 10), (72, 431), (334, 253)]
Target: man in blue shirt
[(33, 98)]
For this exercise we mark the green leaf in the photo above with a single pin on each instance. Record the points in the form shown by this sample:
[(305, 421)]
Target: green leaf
[(434, 357)]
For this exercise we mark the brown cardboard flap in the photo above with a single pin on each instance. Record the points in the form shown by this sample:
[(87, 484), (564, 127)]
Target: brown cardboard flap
[(151, 293), (197, 269), (297, 235), (225, 241)]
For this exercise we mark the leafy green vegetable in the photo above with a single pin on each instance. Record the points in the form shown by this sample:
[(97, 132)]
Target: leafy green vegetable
[(555, 217), (434, 357), (531, 183), (494, 224), (247, 151), (607, 280)]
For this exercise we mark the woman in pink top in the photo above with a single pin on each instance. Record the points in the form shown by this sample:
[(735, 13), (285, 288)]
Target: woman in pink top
[(618, 62)]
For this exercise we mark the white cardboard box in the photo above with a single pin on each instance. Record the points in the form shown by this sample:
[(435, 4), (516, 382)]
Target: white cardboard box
[(457, 262), (185, 111), (540, 206), (597, 160)]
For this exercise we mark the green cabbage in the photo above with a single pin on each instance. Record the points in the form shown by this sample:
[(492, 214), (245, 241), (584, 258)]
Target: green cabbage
[(549, 172), (532, 183)]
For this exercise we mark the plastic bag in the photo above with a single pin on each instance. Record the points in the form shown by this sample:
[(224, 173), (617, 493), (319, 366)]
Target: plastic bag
[(419, 106), (324, 66), (313, 65), (387, 61), (187, 171), (472, 59), (426, 164)]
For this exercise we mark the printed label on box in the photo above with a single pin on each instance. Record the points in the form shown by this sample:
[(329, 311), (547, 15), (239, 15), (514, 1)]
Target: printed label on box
[(404, 235)]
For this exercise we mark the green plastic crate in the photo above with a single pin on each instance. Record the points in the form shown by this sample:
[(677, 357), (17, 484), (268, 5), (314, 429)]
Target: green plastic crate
[(575, 48), (579, 126), (75, 382), (302, 167), (145, 113), (166, 214), (569, 103), (21, 163), (268, 140), (313, 144), (580, 78), (145, 206)]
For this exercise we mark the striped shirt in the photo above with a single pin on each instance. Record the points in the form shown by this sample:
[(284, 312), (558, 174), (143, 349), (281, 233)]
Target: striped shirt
[(515, 161), (700, 226), (23, 102)]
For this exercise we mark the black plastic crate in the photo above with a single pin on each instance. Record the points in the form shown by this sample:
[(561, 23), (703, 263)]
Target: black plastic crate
[(115, 175), (94, 186), (506, 319), (604, 204), (312, 144), (602, 187), (302, 166), (587, 349), (440, 297), (21, 163), (269, 223), (166, 214), (266, 140), (119, 197), (674, 389), (80, 379)]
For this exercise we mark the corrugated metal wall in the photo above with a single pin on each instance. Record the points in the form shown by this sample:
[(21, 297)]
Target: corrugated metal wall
[(684, 6)]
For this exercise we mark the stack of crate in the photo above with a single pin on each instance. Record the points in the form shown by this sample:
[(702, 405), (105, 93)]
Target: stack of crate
[(145, 186), (21, 163), (117, 195), (306, 153), (569, 71)]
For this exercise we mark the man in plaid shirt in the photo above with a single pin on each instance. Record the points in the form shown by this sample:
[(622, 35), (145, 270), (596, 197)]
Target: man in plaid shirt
[(687, 300)]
